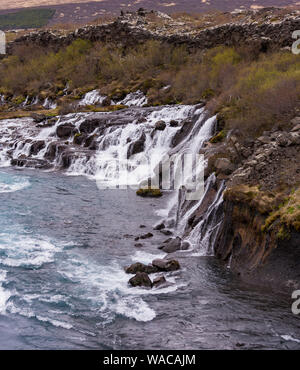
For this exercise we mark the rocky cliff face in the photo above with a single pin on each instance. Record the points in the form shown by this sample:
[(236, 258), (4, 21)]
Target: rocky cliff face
[(266, 33), (260, 236)]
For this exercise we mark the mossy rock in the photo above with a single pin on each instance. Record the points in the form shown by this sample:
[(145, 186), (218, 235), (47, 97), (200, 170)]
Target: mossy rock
[(148, 192), (18, 100), (218, 137)]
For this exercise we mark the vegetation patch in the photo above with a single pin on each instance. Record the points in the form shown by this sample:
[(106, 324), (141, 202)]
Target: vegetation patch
[(286, 217), (248, 93)]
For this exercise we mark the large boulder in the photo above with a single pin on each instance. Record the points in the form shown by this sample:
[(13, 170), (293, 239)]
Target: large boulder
[(160, 125), (141, 279), (140, 267), (65, 130), (172, 245), (223, 165), (166, 265)]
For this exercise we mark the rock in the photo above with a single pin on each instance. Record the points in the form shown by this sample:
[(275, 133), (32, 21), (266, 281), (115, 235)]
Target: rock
[(166, 265), (158, 281), (160, 125), (31, 163), (284, 139), (264, 139), (295, 138), (296, 128), (89, 125), (141, 279), (146, 236), (37, 146), (106, 102), (182, 133), (185, 246), (295, 121), (140, 267), (138, 245), (166, 232), (137, 146), (142, 226), (172, 246), (65, 130), (173, 123), (79, 138), (223, 165), (38, 118), (159, 226)]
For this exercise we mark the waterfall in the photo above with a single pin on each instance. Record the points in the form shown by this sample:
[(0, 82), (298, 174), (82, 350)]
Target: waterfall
[(126, 148), (91, 98)]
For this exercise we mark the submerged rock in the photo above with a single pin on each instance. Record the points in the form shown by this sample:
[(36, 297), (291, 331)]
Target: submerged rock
[(146, 236), (166, 232)]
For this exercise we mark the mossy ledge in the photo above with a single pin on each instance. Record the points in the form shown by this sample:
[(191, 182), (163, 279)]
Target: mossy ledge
[(149, 192)]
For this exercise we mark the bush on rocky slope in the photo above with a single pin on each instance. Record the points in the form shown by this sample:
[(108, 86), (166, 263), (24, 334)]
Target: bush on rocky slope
[(250, 94)]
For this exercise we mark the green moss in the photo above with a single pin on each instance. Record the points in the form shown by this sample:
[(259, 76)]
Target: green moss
[(154, 193), (218, 137), (283, 234), (287, 214), (208, 93), (18, 100)]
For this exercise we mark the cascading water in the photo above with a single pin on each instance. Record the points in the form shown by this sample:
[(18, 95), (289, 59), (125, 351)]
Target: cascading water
[(63, 245), (113, 165)]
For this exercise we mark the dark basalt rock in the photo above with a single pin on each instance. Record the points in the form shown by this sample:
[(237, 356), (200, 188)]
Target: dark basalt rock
[(79, 139), (137, 146), (138, 245), (159, 226), (146, 236), (182, 133), (31, 163), (173, 245), (159, 281), (38, 118), (166, 232), (65, 130), (173, 123), (36, 147), (160, 125), (55, 148), (141, 279), (166, 265), (89, 125), (140, 267)]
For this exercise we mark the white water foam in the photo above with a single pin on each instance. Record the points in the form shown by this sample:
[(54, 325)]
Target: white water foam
[(92, 98), (25, 251), (4, 293), (10, 184), (290, 338)]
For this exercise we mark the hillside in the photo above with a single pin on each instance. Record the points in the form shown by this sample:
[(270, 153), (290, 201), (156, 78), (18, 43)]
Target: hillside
[(86, 11)]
